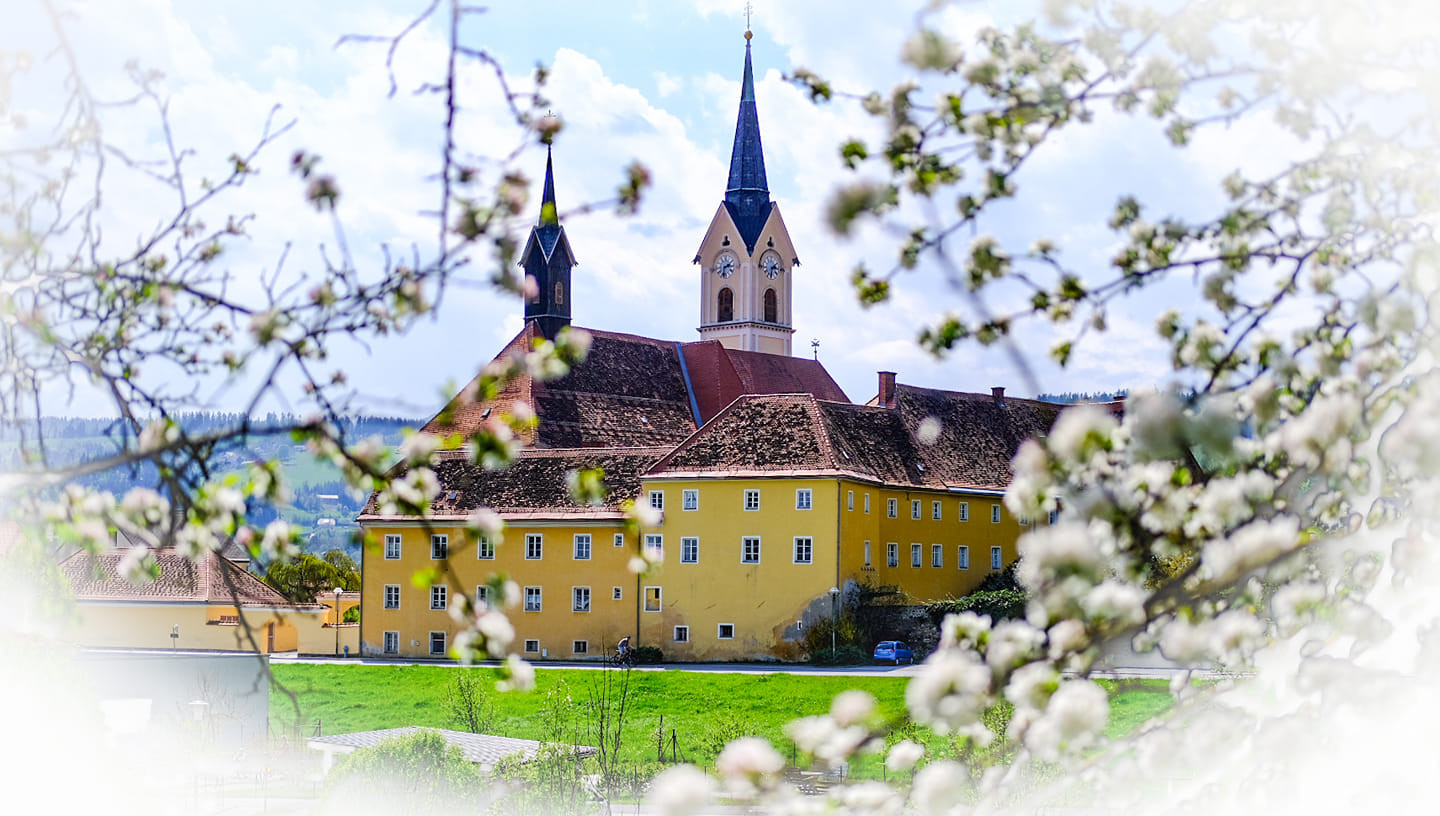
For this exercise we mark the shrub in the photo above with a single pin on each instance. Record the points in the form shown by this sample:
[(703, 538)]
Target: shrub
[(846, 654), (417, 769), (645, 655)]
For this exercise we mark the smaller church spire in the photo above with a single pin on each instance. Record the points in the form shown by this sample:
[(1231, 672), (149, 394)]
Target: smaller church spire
[(548, 212), (547, 259)]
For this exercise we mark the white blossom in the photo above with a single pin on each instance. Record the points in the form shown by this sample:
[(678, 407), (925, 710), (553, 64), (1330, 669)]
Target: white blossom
[(679, 791), (951, 690), (1074, 718), (940, 789), (749, 764), (903, 755)]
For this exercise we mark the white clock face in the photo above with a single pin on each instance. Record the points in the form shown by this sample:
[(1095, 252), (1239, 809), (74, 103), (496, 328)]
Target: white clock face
[(725, 264), (771, 264)]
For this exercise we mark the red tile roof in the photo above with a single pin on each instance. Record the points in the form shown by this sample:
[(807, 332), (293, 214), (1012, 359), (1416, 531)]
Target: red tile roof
[(719, 375), (96, 577)]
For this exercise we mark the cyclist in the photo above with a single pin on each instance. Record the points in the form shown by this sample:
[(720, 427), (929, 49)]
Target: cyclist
[(622, 650)]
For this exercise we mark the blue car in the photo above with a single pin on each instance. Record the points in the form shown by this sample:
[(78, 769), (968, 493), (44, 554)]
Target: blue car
[(893, 651)]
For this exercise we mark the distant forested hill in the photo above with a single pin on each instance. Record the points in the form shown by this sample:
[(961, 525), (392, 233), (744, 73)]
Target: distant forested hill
[(1070, 397)]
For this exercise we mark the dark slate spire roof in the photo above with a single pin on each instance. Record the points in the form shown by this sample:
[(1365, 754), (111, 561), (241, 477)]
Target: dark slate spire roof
[(548, 229), (747, 196)]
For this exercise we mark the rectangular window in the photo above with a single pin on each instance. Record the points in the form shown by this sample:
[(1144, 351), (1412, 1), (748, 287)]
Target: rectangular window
[(803, 498), (964, 511), (437, 643), (750, 550), (655, 547), (532, 646), (439, 547), (935, 510), (867, 553), (392, 547), (392, 596), (994, 558), (892, 554), (652, 599), (914, 555), (580, 647), (580, 599), (804, 549), (849, 500), (482, 597), (689, 499), (867, 502), (392, 643), (892, 508), (937, 555), (914, 508), (725, 631), (682, 634), (1054, 516), (439, 597), (690, 550), (582, 547), (962, 557), (752, 500), (485, 549), (534, 546), (657, 499), (619, 539), (618, 593), (994, 514), (532, 599)]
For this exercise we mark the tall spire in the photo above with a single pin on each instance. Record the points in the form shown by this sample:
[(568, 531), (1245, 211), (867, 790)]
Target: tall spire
[(747, 195), (547, 259), (548, 213)]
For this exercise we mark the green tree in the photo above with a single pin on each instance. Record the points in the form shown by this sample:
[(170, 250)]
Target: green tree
[(306, 577)]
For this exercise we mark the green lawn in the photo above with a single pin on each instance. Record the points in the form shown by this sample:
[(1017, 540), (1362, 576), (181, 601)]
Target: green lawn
[(702, 708)]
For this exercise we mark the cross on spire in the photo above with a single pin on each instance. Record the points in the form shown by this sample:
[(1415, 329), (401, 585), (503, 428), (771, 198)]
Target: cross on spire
[(748, 8)]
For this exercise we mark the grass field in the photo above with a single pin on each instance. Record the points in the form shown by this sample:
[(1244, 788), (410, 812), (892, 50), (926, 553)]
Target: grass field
[(704, 709)]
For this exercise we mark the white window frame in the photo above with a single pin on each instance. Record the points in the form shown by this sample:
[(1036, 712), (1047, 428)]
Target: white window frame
[(994, 514), (619, 539), (690, 550), (576, 595), (915, 509), (690, 499), (617, 594), (867, 502), (443, 643), (539, 599), (681, 634), (962, 557), (917, 555), (657, 500), (752, 499), (892, 508), (439, 543), (997, 558), (892, 554), (439, 598), (720, 631), (659, 599), (392, 540), (580, 647), (385, 596), (534, 546), (804, 498), (532, 646), (867, 553), (482, 596), (937, 555), (745, 542), (484, 549), (964, 511), (937, 510), (804, 546), (850, 500), (390, 643), (656, 542), (582, 553)]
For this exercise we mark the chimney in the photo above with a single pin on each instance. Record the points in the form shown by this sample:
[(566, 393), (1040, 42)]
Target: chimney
[(886, 398), (998, 394)]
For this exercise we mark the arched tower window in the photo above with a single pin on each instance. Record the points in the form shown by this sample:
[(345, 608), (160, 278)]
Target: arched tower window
[(770, 308), (559, 294), (727, 305)]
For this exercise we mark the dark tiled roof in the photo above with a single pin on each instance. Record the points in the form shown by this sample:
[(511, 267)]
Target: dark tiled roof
[(629, 392), (720, 374), (96, 577), (535, 483), (974, 438)]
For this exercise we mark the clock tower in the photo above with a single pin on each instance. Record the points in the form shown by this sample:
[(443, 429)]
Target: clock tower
[(746, 258)]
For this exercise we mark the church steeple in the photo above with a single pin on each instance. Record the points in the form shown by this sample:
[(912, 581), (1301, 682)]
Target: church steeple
[(547, 259), (747, 195)]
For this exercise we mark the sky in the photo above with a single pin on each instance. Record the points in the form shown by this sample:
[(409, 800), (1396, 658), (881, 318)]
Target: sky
[(657, 82)]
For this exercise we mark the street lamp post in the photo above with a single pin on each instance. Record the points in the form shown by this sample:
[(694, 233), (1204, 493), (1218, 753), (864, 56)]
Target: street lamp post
[(834, 618), (338, 590)]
